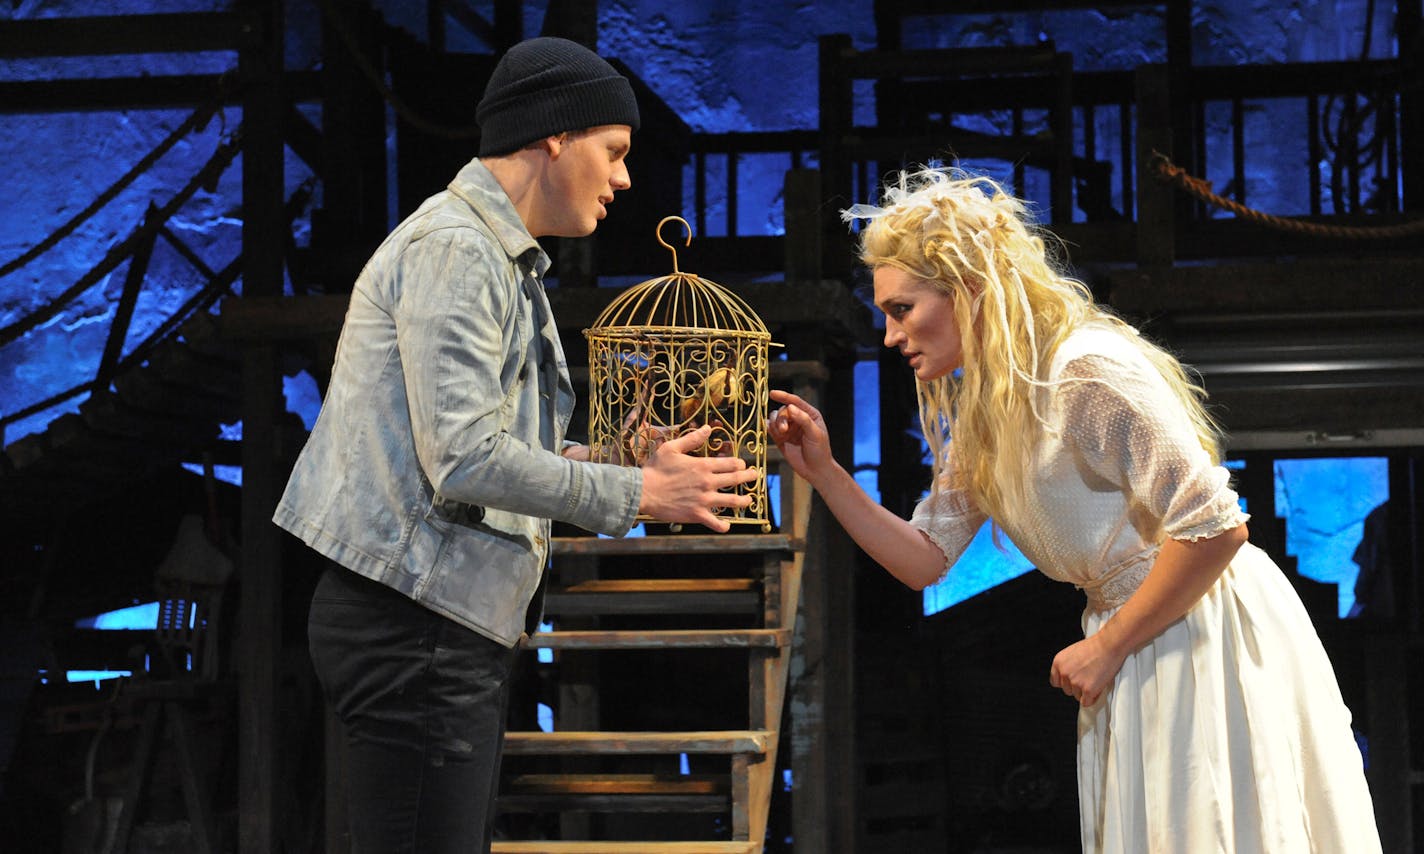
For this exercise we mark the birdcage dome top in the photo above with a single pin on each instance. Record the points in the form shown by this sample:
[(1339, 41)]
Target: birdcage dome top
[(679, 303)]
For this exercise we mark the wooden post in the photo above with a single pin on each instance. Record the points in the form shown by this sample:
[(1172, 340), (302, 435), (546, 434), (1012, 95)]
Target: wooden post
[(1389, 771), (802, 195), (837, 119), (1061, 192), (1408, 23), (264, 234), (1156, 221), (353, 218), (822, 691)]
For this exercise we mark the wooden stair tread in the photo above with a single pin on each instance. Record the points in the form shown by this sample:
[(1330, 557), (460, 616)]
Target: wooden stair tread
[(660, 639), (589, 743), (679, 544), (618, 847), (656, 596), (660, 585), (617, 793), (620, 784)]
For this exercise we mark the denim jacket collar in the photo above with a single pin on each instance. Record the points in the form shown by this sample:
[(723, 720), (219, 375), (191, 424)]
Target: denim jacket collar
[(477, 187)]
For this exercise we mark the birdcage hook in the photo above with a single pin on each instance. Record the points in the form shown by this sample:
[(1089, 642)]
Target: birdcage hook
[(659, 232)]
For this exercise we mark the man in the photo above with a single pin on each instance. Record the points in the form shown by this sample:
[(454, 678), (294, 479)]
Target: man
[(437, 461)]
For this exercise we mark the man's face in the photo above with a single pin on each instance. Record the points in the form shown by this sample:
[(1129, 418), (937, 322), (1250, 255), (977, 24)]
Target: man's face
[(582, 178)]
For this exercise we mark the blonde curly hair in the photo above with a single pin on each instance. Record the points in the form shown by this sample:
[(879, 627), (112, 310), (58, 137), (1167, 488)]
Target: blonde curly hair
[(977, 243)]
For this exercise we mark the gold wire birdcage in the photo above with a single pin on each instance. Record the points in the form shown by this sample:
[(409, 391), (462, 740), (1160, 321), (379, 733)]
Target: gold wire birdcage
[(670, 355)]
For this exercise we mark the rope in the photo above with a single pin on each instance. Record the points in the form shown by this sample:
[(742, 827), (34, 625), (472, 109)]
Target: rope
[(197, 120), (377, 80), (1170, 173)]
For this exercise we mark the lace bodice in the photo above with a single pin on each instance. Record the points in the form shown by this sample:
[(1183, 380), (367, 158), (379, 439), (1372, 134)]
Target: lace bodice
[(1119, 470)]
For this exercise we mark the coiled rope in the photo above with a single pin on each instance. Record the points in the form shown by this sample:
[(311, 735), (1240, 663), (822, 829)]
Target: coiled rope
[(1170, 173)]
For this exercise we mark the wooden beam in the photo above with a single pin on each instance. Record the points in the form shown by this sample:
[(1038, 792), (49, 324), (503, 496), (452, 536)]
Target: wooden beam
[(587, 743), (136, 93), (264, 232), (1323, 285), (626, 847), (903, 8), (660, 639), (128, 34), (676, 544)]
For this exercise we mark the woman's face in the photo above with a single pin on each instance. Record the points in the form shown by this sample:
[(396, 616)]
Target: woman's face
[(919, 322)]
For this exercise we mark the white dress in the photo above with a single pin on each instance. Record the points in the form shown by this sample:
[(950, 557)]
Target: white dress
[(1227, 732)]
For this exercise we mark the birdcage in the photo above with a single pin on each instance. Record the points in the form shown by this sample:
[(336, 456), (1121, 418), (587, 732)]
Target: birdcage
[(670, 355)]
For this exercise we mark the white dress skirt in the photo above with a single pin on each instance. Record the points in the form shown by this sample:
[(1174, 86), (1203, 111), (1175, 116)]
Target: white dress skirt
[(1226, 733)]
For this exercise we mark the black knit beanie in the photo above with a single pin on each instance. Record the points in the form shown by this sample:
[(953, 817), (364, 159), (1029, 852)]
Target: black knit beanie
[(545, 86)]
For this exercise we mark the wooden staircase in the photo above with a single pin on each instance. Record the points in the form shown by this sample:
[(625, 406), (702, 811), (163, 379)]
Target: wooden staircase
[(696, 582)]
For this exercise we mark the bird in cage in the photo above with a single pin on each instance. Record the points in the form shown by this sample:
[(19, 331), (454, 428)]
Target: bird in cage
[(716, 389), (706, 404)]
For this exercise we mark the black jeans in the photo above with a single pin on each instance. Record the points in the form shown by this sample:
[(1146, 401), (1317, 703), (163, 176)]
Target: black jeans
[(422, 703)]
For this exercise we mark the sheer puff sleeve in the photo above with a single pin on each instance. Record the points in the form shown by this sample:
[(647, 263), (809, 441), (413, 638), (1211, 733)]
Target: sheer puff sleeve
[(1124, 424), (949, 519)]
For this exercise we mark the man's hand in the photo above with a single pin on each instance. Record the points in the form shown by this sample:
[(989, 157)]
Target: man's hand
[(678, 487)]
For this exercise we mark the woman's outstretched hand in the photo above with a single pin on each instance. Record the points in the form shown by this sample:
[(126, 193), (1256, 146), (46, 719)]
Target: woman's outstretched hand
[(799, 431)]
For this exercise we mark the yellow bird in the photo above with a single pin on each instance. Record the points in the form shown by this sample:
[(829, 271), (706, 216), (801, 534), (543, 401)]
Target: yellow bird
[(715, 389)]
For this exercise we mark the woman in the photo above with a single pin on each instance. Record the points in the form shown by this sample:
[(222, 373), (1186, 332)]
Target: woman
[(1210, 720)]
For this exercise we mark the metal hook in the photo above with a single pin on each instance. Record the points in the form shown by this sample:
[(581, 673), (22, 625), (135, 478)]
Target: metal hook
[(658, 231)]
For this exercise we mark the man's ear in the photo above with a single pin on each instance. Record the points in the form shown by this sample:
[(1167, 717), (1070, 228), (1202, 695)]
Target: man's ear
[(554, 145)]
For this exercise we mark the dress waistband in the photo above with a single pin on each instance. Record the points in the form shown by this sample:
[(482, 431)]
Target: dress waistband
[(1116, 585)]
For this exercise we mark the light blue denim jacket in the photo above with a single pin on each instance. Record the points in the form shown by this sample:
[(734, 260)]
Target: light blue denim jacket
[(433, 467)]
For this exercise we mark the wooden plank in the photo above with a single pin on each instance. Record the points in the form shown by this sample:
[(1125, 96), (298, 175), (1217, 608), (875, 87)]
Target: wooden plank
[(642, 793), (660, 639), (622, 784), (621, 847), (661, 585), (655, 596), (1320, 285), (108, 414), (567, 804), (559, 604), (676, 544), (127, 34), (283, 318), (891, 64), (592, 743), (135, 93), (141, 390), (905, 8)]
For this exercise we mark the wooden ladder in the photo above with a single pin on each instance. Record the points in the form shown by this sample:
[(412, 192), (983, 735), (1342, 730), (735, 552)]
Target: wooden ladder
[(757, 575)]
